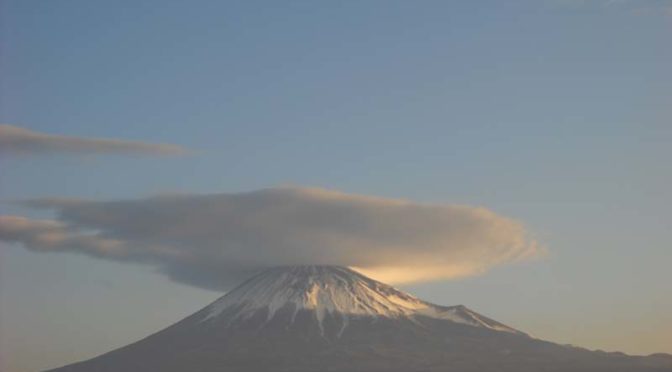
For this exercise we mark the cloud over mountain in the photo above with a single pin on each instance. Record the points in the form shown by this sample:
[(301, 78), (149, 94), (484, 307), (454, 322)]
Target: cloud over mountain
[(214, 240), (21, 141)]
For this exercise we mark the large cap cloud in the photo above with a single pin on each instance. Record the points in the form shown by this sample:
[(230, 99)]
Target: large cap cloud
[(16, 140), (214, 240)]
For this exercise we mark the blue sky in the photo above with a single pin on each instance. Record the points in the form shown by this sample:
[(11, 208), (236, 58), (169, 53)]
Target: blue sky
[(556, 113)]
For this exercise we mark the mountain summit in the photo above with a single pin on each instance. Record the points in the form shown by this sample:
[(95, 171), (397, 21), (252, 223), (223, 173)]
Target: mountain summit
[(328, 318), (336, 292)]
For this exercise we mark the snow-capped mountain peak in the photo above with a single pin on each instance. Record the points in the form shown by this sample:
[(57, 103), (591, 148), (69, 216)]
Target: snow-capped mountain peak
[(325, 318), (334, 290)]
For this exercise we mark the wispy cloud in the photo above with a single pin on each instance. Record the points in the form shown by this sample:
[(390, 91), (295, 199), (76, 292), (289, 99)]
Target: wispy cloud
[(214, 240), (21, 141)]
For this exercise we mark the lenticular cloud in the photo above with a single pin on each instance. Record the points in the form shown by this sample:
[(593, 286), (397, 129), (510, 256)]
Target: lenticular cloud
[(214, 240), (20, 141)]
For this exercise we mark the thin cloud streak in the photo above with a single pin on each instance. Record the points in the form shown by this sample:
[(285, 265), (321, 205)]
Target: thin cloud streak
[(20, 141), (213, 241)]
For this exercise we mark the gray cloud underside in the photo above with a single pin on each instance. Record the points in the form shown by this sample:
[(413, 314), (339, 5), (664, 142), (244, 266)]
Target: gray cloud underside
[(213, 241), (15, 140)]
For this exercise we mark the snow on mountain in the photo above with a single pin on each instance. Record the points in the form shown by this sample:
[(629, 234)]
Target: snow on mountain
[(335, 290)]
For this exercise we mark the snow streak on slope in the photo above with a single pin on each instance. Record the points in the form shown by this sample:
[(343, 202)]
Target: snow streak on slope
[(335, 290)]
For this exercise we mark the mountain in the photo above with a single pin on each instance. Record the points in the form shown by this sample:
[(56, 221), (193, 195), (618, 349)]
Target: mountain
[(327, 318)]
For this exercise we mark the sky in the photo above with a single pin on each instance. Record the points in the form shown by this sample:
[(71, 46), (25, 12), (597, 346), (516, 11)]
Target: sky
[(551, 117)]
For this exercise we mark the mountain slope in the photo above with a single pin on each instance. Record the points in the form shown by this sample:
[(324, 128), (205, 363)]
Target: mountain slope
[(324, 318)]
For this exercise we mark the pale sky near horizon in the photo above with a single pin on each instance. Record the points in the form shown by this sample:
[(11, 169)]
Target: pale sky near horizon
[(557, 113)]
